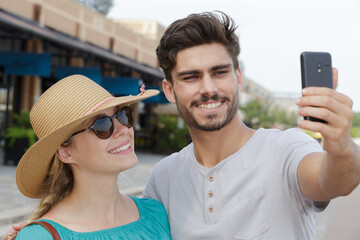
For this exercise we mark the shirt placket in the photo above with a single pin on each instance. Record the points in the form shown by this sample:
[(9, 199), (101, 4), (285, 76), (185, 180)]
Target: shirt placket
[(210, 195)]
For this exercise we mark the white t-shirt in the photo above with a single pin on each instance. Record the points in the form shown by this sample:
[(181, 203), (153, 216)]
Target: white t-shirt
[(252, 194)]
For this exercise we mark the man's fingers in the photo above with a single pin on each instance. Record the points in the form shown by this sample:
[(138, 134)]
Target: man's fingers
[(322, 107), (15, 229), (18, 227), (320, 113), (335, 77), (322, 97)]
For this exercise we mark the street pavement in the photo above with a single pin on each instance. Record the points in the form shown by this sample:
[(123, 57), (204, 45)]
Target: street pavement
[(340, 221)]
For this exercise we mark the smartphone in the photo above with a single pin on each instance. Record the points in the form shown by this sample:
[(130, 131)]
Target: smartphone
[(316, 71)]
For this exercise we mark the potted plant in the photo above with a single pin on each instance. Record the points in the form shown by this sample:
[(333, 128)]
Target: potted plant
[(18, 138)]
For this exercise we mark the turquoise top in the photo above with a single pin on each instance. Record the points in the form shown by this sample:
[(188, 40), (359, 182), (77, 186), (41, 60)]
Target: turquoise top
[(152, 224)]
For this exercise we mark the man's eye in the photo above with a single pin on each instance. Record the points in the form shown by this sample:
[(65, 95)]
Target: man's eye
[(220, 72), (190, 77)]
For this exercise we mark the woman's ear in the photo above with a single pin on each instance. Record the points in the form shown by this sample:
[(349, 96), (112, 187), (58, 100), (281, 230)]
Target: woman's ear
[(64, 155)]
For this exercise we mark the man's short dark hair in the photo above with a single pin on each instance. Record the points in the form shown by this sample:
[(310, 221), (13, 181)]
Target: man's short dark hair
[(195, 30)]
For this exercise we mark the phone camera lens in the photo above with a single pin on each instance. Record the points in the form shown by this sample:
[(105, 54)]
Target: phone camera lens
[(319, 65)]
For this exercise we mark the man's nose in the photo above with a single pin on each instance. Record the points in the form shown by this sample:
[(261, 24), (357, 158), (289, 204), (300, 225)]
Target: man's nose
[(208, 85)]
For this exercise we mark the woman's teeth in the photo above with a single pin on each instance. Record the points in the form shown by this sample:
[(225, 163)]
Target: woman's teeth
[(120, 149)]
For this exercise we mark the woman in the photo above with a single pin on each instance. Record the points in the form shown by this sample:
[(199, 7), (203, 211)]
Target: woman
[(85, 141)]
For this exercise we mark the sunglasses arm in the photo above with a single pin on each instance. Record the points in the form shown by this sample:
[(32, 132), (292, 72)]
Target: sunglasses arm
[(80, 131)]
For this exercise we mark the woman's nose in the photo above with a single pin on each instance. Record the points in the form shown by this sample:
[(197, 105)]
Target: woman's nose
[(118, 127)]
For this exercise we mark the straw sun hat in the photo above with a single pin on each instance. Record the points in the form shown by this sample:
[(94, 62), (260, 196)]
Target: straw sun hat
[(57, 113)]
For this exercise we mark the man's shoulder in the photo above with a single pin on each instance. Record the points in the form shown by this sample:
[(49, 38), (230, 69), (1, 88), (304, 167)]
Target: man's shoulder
[(276, 131), (280, 139), (295, 134), (273, 133), (175, 159)]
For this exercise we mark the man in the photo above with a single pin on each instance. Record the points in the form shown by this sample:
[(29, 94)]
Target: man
[(233, 182)]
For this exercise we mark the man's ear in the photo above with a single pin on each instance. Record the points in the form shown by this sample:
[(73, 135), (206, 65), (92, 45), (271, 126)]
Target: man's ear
[(64, 155), (238, 76), (169, 91)]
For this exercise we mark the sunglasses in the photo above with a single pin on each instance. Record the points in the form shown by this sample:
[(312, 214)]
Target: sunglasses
[(103, 126)]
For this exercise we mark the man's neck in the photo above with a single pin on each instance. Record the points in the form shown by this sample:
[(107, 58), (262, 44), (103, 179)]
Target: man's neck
[(210, 148)]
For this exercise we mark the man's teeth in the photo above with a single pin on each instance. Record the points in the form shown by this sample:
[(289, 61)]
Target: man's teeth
[(120, 149), (210, 105)]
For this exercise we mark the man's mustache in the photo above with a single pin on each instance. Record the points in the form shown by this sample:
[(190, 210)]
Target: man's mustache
[(205, 98)]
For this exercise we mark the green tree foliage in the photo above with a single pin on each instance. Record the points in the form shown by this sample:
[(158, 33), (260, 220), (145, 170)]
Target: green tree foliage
[(355, 129), (102, 6), (287, 119), (262, 114), (257, 114), (170, 135)]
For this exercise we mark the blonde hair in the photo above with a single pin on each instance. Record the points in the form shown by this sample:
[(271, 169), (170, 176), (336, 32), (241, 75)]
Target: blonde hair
[(57, 185)]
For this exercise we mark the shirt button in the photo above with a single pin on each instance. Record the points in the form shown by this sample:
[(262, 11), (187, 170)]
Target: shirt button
[(210, 209), (210, 194), (211, 178)]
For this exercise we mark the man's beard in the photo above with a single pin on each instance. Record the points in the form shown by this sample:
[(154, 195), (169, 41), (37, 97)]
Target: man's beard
[(211, 124)]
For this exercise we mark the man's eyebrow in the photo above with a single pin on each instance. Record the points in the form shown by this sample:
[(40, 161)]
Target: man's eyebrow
[(179, 74), (214, 68), (222, 66)]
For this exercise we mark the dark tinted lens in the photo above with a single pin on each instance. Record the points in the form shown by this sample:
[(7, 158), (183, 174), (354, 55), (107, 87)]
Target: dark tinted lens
[(125, 116), (103, 127)]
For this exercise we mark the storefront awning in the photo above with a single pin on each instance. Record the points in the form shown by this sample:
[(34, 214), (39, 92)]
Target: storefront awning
[(64, 40), (94, 73), (123, 86), (160, 98), (24, 63)]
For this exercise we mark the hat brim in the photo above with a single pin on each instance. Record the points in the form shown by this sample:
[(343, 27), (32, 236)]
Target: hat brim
[(34, 165)]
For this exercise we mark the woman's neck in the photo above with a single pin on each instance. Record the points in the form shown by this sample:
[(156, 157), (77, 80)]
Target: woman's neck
[(94, 204)]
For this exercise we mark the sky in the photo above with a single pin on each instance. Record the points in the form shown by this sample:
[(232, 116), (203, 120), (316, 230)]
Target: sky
[(273, 33)]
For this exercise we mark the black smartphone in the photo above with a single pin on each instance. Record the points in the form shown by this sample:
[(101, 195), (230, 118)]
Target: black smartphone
[(316, 71)]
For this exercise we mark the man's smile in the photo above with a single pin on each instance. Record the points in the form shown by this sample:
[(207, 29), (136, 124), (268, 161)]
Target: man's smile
[(211, 105)]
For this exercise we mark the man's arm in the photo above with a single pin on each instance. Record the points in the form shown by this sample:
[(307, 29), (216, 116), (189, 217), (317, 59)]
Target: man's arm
[(323, 176), (150, 188), (15, 229)]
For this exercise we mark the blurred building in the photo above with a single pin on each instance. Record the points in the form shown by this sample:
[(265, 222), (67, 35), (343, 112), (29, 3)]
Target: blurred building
[(149, 28), (43, 41), (251, 90), (286, 100)]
